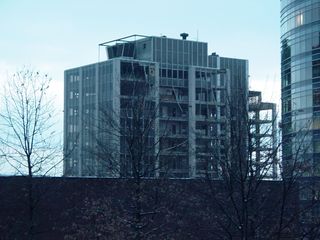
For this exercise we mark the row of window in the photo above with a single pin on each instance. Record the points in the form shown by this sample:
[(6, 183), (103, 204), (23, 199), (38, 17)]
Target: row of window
[(300, 72), (299, 32), (173, 73), (287, 11), (299, 17)]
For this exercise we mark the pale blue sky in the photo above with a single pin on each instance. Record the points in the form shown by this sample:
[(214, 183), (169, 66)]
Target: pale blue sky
[(56, 35)]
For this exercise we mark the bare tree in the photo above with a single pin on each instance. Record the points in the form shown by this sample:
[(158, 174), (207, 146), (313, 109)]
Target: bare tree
[(240, 195), (125, 140), (245, 203), (28, 135)]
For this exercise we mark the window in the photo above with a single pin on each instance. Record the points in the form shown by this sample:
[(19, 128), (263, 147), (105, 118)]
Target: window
[(299, 19), (197, 74), (174, 129), (163, 72), (174, 73), (316, 146), (315, 69), (174, 112), (72, 128), (316, 97), (286, 105), (185, 75)]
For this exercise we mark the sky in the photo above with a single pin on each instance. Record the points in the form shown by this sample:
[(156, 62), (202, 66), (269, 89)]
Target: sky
[(51, 36)]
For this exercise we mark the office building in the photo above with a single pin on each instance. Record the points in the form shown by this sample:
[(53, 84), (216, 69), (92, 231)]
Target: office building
[(166, 89), (300, 79)]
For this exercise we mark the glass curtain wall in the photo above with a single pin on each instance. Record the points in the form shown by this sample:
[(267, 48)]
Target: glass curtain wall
[(300, 79)]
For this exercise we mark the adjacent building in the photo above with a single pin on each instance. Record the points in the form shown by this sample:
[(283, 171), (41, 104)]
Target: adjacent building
[(237, 102), (263, 144), (300, 79), (158, 106)]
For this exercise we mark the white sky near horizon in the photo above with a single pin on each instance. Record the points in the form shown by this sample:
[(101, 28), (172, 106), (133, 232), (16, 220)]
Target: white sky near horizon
[(51, 36)]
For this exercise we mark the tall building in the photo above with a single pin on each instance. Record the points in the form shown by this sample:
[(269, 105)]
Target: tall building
[(300, 79), (159, 99)]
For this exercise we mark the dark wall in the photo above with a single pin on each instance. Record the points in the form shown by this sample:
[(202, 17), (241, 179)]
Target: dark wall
[(91, 208)]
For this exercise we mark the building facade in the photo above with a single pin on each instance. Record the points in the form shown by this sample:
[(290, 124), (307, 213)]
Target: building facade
[(158, 106), (300, 79), (237, 101)]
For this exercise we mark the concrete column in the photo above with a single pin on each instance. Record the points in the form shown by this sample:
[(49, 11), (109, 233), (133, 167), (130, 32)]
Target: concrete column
[(192, 122)]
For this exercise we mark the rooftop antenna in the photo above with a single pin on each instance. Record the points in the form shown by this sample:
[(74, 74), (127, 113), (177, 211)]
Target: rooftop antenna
[(197, 35)]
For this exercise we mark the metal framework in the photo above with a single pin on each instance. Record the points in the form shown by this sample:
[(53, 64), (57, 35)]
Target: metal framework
[(124, 39), (264, 133)]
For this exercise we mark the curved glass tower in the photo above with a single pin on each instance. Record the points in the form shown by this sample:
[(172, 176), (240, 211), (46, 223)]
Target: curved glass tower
[(300, 79)]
